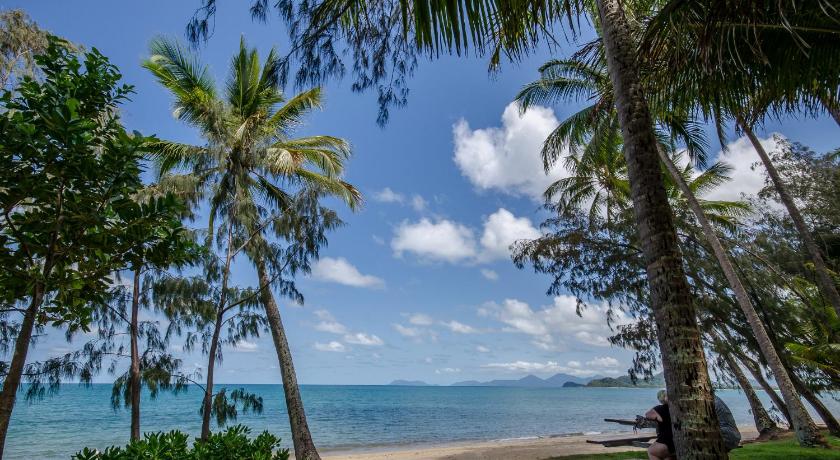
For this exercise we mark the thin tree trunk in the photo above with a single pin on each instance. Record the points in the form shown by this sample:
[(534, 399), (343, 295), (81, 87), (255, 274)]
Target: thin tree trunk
[(206, 404), (824, 280), (134, 370), (301, 437), (763, 422), (759, 377), (214, 341), (803, 424), (12, 381), (696, 430)]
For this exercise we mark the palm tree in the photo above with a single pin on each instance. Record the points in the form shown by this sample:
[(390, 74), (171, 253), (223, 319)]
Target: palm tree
[(588, 82), (247, 169)]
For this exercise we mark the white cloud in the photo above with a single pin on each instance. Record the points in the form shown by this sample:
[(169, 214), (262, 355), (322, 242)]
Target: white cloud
[(557, 323), (378, 240), (449, 241), (605, 361), (553, 367), (442, 240), (502, 229), (333, 346), (418, 203), (328, 323), (386, 195), (489, 274), (507, 158), (459, 328), (448, 370), (408, 331), (360, 338), (747, 176), (245, 346), (420, 319), (482, 349), (343, 272)]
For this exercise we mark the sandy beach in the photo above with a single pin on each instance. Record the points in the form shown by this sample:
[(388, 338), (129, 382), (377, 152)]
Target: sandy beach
[(514, 449)]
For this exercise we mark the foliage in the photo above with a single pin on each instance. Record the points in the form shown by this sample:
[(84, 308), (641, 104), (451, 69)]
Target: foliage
[(231, 444)]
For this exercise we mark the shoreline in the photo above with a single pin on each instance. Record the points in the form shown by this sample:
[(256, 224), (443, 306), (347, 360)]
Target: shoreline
[(526, 448)]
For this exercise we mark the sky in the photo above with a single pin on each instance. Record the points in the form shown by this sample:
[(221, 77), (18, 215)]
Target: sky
[(419, 284)]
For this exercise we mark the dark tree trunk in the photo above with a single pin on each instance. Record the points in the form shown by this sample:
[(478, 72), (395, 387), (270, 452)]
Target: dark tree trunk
[(134, 369), (765, 425), (696, 430), (824, 280), (301, 437), (206, 403), (803, 425), (759, 377), (12, 381)]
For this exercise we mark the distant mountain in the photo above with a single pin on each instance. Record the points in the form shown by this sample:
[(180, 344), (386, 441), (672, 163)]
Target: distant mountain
[(529, 381), (409, 383), (573, 385), (657, 381)]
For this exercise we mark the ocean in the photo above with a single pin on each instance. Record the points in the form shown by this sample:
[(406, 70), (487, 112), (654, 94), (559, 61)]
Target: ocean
[(344, 417)]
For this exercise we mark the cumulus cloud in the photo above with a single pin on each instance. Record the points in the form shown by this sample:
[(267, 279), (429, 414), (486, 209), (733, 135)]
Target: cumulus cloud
[(333, 346), (507, 158), (459, 328), (557, 324), (448, 241), (360, 338), (482, 349), (386, 195), (406, 331), (502, 229), (418, 203), (339, 270), (747, 173), (441, 240), (489, 274), (328, 323)]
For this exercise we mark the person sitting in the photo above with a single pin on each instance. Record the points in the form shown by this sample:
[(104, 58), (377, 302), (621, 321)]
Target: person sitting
[(728, 427), (663, 447)]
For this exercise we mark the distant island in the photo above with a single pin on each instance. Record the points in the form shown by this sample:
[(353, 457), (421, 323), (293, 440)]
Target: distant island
[(555, 381)]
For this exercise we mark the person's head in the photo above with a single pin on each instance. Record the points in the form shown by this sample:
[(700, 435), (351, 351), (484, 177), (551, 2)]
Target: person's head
[(662, 396)]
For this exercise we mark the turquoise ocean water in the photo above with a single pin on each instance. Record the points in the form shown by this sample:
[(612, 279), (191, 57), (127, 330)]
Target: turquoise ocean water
[(344, 417)]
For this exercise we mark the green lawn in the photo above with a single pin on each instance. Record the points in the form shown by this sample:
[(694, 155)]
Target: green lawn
[(786, 449)]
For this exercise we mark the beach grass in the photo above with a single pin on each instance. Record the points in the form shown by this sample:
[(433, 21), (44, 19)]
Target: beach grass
[(784, 449)]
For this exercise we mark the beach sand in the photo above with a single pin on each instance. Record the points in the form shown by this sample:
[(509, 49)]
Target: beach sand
[(514, 449)]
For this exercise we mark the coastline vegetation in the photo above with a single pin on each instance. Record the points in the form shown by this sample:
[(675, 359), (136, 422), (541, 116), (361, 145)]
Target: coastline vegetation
[(744, 290)]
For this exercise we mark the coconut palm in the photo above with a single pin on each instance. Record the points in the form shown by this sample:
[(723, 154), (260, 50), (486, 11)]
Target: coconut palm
[(587, 80), (248, 170)]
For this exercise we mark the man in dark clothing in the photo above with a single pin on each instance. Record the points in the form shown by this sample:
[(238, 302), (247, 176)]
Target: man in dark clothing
[(728, 427), (663, 448)]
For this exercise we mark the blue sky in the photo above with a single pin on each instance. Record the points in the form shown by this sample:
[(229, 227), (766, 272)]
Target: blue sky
[(418, 285)]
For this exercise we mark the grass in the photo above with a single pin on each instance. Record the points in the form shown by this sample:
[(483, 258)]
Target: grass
[(785, 449)]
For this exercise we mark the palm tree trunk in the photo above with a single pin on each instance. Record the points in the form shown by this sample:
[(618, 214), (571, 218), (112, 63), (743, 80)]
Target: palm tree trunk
[(763, 422), (134, 369), (696, 431), (824, 280), (759, 377), (13, 377), (301, 437), (206, 403), (803, 424)]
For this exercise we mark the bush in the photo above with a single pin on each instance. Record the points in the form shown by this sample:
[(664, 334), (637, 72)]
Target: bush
[(232, 444)]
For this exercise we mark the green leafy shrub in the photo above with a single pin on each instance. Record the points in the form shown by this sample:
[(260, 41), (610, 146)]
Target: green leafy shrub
[(231, 444)]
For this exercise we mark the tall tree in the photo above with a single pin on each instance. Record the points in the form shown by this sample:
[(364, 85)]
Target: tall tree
[(248, 168), (69, 173)]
